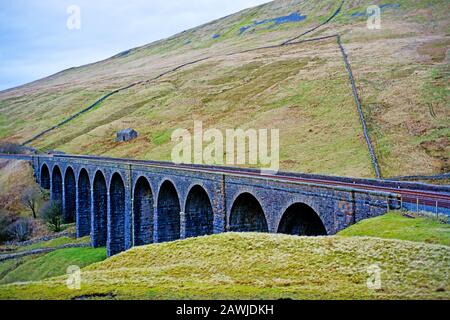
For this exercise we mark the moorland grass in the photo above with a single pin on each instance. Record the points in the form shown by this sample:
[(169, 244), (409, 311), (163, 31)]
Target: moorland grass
[(49, 265), (258, 266), (395, 225)]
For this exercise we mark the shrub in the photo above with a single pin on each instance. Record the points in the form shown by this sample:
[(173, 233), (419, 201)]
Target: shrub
[(31, 198), (45, 194), (51, 213), (21, 230), (11, 148), (441, 218), (6, 220)]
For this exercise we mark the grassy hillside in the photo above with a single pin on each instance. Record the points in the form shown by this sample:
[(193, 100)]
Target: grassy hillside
[(401, 72), (252, 266), (258, 266), (34, 268), (15, 177), (396, 226)]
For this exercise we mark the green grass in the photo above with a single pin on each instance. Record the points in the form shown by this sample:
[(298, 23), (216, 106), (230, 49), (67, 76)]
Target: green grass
[(254, 266), (4, 132), (9, 265), (258, 266), (161, 137), (49, 265), (396, 226), (54, 243)]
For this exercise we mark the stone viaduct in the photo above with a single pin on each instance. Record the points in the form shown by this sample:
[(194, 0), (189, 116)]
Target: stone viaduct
[(121, 204)]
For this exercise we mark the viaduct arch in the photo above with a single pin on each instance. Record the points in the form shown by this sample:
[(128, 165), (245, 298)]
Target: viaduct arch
[(143, 212), (168, 213), (83, 208), (116, 215), (247, 215), (69, 196), (45, 177), (99, 220), (301, 220), (56, 189), (199, 216)]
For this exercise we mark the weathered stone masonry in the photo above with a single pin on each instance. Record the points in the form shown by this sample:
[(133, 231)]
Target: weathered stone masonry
[(124, 204)]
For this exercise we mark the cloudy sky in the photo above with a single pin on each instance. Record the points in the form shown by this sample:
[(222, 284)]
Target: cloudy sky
[(35, 40)]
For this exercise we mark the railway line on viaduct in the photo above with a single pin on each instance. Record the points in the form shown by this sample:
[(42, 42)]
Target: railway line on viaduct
[(123, 203)]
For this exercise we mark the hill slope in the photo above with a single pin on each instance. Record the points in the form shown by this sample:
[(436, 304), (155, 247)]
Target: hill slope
[(33, 268), (401, 72), (258, 266), (394, 225)]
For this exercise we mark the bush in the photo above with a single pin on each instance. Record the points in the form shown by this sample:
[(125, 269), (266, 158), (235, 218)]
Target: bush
[(6, 220), (12, 148), (21, 230), (51, 213), (441, 218), (45, 194), (31, 198)]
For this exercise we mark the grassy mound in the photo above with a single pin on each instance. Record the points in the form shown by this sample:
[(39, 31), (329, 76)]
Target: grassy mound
[(33, 268), (255, 266), (396, 226)]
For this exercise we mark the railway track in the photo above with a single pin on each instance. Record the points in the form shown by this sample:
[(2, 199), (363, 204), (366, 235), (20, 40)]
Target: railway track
[(410, 193)]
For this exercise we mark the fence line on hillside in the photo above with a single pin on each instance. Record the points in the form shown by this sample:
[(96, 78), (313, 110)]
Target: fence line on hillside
[(317, 27), (373, 157), (106, 96)]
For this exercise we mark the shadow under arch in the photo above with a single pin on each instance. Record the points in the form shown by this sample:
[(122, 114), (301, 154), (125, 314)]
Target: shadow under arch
[(70, 196), (116, 234), (247, 215), (199, 216), (57, 184), (301, 220), (45, 177), (84, 204), (143, 209), (99, 212), (168, 210)]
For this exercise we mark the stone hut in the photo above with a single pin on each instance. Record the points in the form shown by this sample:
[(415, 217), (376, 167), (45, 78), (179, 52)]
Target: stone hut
[(126, 135)]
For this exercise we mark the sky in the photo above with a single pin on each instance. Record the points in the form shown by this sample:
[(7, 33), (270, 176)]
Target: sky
[(41, 37)]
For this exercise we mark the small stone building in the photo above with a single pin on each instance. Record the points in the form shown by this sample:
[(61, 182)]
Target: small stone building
[(126, 135)]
